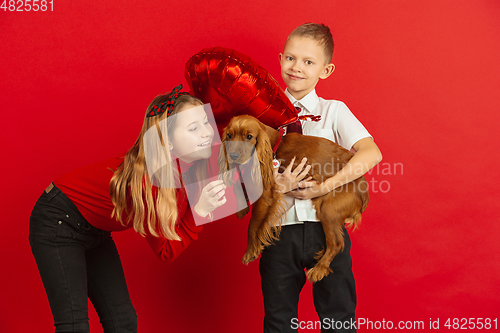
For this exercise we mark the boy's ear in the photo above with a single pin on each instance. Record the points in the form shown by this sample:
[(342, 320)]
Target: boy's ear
[(280, 56), (327, 71)]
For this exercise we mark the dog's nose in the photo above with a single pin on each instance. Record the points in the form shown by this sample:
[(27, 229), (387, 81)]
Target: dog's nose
[(234, 156)]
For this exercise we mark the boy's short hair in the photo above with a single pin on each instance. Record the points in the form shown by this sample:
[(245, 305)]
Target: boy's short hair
[(318, 32)]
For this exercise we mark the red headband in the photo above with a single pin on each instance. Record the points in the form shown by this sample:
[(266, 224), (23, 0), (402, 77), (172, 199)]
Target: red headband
[(168, 105)]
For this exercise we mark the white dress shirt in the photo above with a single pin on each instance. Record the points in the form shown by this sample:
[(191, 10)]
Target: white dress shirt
[(337, 124)]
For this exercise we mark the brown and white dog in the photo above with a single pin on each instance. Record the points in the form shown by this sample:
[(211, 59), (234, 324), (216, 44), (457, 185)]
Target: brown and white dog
[(244, 137)]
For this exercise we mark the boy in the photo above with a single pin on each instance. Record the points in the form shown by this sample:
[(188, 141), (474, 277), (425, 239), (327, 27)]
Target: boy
[(306, 58)]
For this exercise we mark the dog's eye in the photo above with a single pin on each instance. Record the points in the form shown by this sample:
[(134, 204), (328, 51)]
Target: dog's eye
[(229, 136), (249, 137)]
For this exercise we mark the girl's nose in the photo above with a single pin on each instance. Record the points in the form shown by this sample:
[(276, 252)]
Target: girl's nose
[(206, 131)]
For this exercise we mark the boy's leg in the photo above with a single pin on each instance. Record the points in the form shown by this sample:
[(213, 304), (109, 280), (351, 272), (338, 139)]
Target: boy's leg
[(282, 278), (335, 295), (108, 290)]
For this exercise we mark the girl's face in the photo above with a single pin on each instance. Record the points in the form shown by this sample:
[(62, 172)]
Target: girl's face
[(192, 136)]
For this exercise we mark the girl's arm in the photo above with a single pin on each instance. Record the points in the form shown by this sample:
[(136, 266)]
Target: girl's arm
[(167, 249)]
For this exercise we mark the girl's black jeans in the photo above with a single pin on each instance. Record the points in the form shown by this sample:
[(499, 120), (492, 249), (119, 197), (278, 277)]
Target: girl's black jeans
[(77, 261)]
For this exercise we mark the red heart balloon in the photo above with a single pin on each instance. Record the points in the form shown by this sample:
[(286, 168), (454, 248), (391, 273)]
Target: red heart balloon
[(234, 84)]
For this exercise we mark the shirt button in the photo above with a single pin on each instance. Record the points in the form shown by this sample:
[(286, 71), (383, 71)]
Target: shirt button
[(60, 222)]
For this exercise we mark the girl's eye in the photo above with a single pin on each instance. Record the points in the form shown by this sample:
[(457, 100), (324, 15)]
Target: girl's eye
[(193, 129), (249, 137)]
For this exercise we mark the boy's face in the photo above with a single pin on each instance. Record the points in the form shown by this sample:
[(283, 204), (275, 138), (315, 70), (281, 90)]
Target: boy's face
[(303, 62)]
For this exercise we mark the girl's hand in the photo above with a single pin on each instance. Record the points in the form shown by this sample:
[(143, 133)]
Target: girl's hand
[(212, 196), (289, 180)]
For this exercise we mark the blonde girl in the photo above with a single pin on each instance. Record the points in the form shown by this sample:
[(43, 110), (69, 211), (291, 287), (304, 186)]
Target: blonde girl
[(72, 221)]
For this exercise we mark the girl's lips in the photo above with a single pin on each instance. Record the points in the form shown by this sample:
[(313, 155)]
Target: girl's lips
[(205, 144)]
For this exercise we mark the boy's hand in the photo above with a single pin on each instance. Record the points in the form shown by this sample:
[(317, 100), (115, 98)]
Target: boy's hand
[(289, 180), (309, 190)]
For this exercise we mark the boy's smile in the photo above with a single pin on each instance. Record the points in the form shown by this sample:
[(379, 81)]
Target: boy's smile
[(303, 62), (294, 77)]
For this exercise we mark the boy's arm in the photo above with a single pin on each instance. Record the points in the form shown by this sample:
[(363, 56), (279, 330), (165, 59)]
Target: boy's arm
[(366, 157)]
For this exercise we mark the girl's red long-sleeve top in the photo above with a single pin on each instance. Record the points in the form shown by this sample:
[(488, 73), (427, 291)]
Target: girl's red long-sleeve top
[(88, 189)]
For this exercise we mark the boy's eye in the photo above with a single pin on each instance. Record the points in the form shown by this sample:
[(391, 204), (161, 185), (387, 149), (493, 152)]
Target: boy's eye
[(289, 58), (309, 62)]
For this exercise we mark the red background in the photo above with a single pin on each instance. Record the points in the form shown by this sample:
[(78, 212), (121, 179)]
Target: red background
[(423, 77)]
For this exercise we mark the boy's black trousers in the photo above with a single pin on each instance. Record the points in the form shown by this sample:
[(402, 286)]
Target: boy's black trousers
[(282, 278)]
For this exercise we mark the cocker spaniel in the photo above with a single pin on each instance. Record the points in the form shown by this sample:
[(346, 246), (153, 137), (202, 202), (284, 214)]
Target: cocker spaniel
[(248, 143)]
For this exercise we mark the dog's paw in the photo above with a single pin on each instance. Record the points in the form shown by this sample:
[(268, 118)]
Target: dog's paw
[(316, 273), (241, 214), (319, 254)]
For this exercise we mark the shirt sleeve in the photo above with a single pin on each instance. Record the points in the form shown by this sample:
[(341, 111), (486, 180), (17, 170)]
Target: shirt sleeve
[(348, 128), (167, 249)]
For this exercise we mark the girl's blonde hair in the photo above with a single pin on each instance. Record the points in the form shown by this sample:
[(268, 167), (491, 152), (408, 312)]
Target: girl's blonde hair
[(131, 187)]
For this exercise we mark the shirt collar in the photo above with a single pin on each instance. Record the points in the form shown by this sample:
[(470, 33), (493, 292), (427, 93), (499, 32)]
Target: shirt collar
[(184, 166), (308, 102)]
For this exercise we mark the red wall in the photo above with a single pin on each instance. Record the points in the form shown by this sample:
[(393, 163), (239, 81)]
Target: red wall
[(423, 76)]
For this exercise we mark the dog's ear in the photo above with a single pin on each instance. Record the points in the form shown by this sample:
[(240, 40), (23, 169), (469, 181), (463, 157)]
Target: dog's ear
[(265, 156), (271, 133), (225, 174)]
